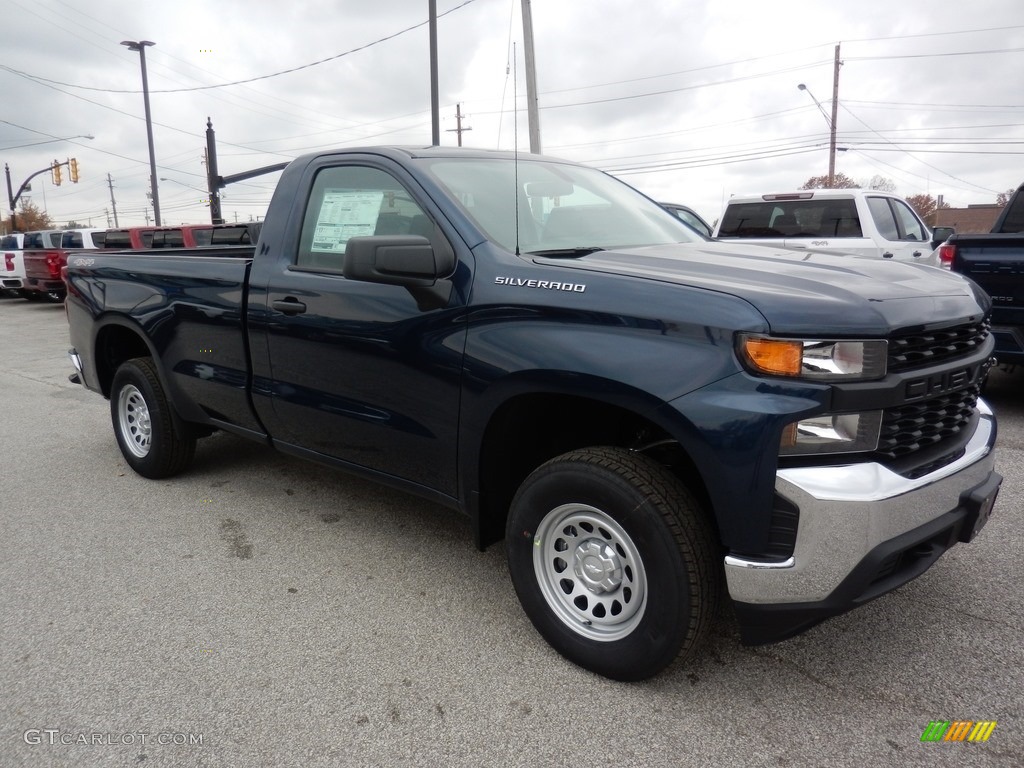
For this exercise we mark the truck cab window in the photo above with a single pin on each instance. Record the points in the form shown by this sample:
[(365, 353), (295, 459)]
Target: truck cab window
[(354, 201), (884, 220), (910, 227)]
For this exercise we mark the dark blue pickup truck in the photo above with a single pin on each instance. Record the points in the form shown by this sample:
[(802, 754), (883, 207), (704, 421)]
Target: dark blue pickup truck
[(996, 262), (644, 416)]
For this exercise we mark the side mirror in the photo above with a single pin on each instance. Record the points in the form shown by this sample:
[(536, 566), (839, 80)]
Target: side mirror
[(407, 260), (941, 235)]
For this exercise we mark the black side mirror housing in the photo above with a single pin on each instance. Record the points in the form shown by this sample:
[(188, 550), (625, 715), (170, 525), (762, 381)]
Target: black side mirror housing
[(407, 260), (941, 235)]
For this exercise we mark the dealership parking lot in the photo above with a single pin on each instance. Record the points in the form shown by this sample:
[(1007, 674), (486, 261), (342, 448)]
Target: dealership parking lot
[(259, 610)]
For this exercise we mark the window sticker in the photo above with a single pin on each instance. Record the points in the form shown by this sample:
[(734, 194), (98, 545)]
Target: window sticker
[(345, 213)]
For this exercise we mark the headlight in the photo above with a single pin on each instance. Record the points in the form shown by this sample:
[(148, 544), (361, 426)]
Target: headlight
[(832, 433), (816, 359)]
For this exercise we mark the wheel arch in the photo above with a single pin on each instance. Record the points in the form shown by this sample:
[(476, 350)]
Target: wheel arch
[(115, 342), (530, 427)]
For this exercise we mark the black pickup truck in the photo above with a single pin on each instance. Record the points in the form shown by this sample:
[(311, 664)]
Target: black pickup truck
[(996, 262), (642, 415)]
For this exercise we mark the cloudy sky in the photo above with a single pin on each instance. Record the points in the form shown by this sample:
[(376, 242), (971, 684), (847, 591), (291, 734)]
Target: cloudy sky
[(689, 100)]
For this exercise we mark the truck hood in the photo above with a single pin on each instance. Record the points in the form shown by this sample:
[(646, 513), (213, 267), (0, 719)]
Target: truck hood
[(803, 292)]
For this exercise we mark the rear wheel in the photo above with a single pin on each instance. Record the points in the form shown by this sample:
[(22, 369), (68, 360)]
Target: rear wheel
[(152, 439), (613, 561)]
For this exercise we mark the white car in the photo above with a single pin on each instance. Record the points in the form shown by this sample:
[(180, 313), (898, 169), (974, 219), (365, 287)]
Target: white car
[(858, 222)]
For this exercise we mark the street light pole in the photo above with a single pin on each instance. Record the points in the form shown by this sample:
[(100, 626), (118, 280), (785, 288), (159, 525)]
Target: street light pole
[(435, 109), (831, 130), (532, 110), (140, 46), (830, 119)]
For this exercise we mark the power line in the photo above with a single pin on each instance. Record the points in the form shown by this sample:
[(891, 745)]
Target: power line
[(934, 34), (944, 173), (272, 111), (384, 39), (933, 55), (911, 104), (667, 90)]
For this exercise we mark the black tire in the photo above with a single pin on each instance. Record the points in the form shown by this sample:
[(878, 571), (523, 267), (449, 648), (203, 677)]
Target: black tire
[(32, 295), (152, 439), (614, 562)]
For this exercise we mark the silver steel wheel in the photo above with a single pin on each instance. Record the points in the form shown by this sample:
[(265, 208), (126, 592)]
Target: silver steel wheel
[(133, 418), (590, 572)]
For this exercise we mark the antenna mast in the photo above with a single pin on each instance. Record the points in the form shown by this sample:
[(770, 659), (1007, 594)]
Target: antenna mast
[(515, 138)]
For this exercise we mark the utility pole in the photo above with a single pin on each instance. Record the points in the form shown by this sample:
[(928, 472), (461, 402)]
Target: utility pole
[(435, 109), (212, 177), (835, 115), (458, 122), (532, 111), (113, 202)]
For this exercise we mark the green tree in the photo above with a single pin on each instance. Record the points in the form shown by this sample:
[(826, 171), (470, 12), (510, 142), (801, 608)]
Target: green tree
[(839, 181)]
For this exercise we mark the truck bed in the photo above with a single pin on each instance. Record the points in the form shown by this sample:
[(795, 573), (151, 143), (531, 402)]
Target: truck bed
[(191, 314)]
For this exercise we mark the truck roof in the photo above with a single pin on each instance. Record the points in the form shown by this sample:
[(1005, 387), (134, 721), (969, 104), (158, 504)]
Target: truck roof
[(405, 152)]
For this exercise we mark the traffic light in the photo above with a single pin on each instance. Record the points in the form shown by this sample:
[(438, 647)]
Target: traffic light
[(55, 169), (73, 167)]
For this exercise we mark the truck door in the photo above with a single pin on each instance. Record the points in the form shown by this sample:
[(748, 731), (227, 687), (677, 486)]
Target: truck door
[(903, 236), (360, 372)]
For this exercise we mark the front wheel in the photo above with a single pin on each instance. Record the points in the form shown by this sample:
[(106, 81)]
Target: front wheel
[(613, 561), (152, 439)]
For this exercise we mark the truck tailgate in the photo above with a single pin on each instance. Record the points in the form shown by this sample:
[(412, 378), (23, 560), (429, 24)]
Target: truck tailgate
[(996, 263)]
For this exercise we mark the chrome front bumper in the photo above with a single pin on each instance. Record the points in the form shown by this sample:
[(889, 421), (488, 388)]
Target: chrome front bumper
[(846, 512)]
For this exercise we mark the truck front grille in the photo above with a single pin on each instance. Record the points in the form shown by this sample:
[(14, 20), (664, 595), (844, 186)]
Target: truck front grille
[(913, 426), (923, 349)]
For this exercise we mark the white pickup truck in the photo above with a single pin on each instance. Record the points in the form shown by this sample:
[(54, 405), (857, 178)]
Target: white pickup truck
[(849, 222), (12, 266)]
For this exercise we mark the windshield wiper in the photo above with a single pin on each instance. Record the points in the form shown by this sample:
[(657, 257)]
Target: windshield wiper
[(567, 253)]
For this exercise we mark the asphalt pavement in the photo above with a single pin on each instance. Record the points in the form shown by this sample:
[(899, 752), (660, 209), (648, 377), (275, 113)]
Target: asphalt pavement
[(262, 611)]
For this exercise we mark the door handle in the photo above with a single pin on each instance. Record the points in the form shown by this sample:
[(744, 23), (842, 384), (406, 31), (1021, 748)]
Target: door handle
[(887, 255), (917, 254), (290, 306)]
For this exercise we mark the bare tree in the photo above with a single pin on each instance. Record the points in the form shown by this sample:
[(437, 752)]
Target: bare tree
[(839, 181), (881, 183), (926, 205), (1004, 197)]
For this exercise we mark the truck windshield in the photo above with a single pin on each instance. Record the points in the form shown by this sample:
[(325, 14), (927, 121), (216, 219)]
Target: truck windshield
[(562, 208)]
